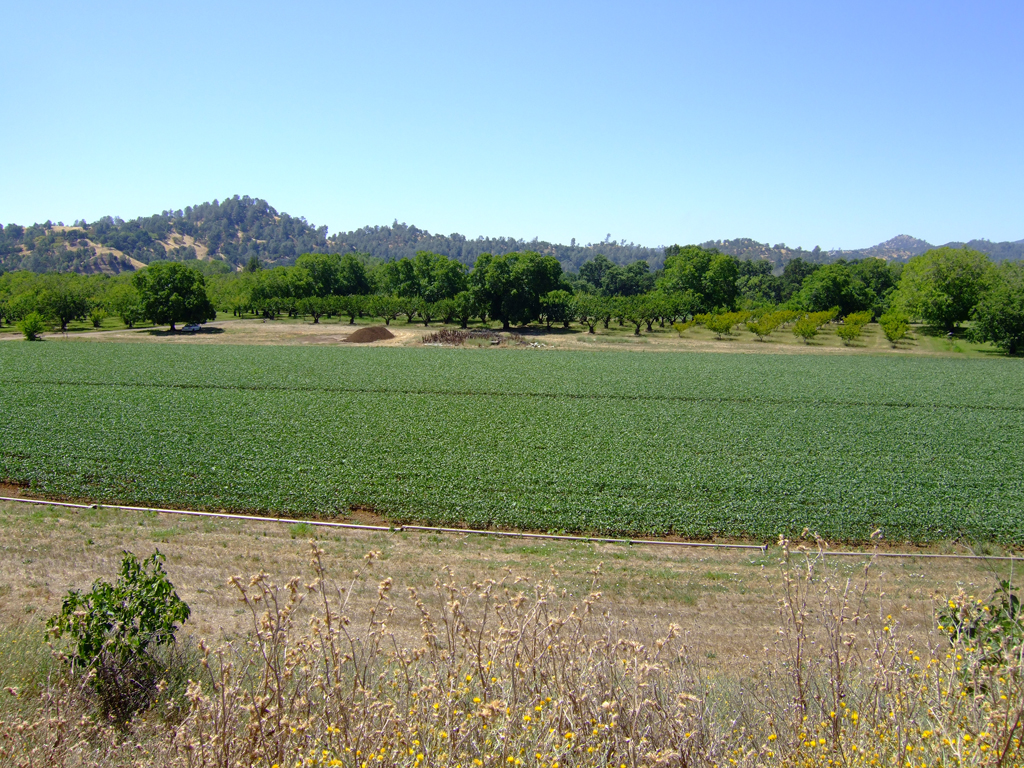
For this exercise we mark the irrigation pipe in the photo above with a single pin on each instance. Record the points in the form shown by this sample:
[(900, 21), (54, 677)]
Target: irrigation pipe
[(508, 534)]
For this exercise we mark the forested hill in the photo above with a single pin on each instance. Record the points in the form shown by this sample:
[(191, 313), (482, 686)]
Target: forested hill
[(233, 231), (899, 248), (239, 228), (400, 240)]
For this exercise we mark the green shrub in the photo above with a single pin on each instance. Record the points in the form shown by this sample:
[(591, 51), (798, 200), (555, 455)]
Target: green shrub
[(993, 626), (32, 325), (894, 326), (848, 332), (722, 324), (857, 318), (763, 326), (682, 328), (97, 316), (806, 328), (120, 633)]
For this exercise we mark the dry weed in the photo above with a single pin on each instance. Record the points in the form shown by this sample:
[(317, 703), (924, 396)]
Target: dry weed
[(508, 672)]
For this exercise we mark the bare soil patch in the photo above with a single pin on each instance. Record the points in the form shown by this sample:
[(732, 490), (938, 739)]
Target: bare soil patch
[(284, 332), (12, 489), (334, 331)]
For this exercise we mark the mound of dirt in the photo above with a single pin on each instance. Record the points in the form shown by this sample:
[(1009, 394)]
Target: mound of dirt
[(367, 335)]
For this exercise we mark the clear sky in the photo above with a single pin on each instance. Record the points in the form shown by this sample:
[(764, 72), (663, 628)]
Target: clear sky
[(837, 124)]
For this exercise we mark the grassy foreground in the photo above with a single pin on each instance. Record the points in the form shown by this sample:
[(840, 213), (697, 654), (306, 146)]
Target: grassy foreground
[(380, 653), (698, 445)]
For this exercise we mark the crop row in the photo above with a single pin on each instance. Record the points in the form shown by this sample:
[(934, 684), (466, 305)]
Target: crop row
[(760, 445)]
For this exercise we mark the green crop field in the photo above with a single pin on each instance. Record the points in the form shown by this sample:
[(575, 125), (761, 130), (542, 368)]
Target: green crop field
[(615, 442)]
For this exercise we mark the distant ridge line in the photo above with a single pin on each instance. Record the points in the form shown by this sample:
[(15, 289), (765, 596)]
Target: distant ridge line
[(237, 229)]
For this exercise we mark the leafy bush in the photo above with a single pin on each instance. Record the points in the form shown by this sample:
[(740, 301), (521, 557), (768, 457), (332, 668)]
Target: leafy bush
[(848, 333), (97, 316), (764, 325), (857, 318), (682, 328), (894, 326), (722, 324), (118, 631), (32, 325), (852, 326), (993, 626), (806, 328)]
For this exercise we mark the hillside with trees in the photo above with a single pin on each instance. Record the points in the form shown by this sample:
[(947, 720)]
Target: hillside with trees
[(901, 248), (239, 230)]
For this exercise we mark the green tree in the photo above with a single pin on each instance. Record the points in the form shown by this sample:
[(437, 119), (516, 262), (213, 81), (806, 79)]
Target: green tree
[(324, 271), (637, 311), (22, 304), (429, 310), (32, 325), (510, 286), (557, 307), (793, 275), (849, 331), (943, 285), (398, 278), (353, 306), (445, 310), (764, 326), (465, 307), (593, 272), (880, 278), (722, 323), (834, 285), (124, 301), (806, 328), (589, 310), (709, 276), (894, 325), (172, 293), (280, 287), (385, 307), (353, 277), (410, 308), (437, 277), (631, 280), (63, 298), (314, 306), (853, 325), (756, 284), (999, 313)]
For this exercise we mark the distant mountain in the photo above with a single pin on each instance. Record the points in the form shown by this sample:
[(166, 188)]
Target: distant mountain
[(240, 228), (237, 229), (900, 248), (779, 254), (1005, 251)]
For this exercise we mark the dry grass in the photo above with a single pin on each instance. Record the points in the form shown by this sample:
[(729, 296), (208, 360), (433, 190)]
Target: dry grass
[(723, 599), (517, 670)]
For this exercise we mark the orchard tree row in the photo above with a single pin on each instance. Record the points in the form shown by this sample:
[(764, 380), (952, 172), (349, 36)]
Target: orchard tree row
[(944, 287)]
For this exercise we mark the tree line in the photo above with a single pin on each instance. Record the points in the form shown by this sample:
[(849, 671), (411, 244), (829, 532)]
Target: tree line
[(944, 287)]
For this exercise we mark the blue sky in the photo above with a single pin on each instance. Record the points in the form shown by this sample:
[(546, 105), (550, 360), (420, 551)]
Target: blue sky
[(837, 124)]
